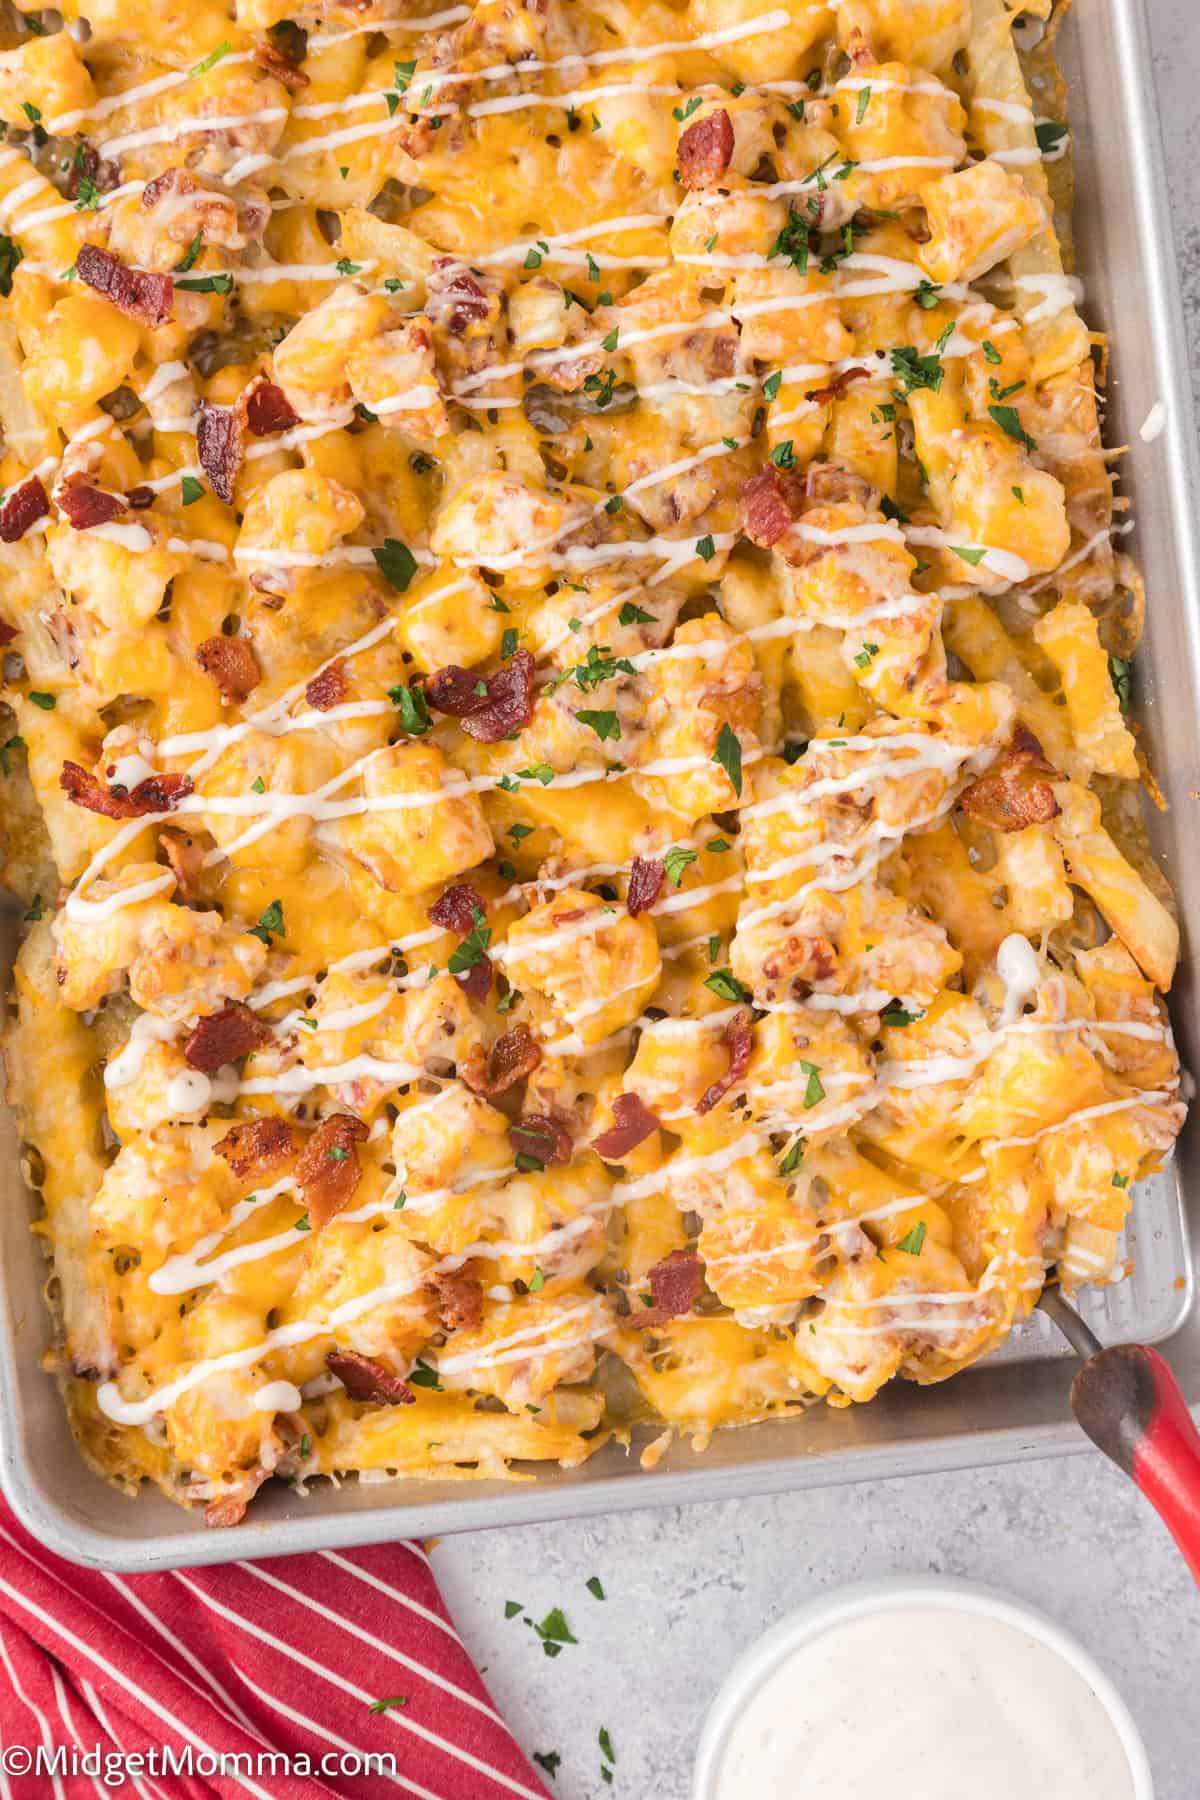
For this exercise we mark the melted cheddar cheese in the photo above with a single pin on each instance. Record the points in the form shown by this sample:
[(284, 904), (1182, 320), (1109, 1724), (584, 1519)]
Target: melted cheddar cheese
[(562, 592)]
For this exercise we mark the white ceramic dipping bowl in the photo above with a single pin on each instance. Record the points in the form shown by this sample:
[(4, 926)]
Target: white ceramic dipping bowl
[(892, 1594)]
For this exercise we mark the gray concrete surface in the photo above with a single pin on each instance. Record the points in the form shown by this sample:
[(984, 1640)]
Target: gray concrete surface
[(687, 1589)]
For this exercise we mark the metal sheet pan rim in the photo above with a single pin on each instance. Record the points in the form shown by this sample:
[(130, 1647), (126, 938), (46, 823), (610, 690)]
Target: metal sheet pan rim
[(62, 1514)]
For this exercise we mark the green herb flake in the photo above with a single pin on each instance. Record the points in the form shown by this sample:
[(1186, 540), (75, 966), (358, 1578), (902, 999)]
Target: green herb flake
[(706, 549), (725, 984), (206, 284), (792, 1157), (188, 260), (47, 702), (270, 924), (396, 563), (1121, 675), (190, 490), (864, 100), (675, 861), (211, 60), (633, 615), (814, 1093), (1009, 420), (606, 1749), (1049, 136), (913, 1240), (422, 1376), (595, 1587), (382, 1706), (729, 754), (548, 1760), (866, 656), (896, 1015), (973, 554), (772, 384)]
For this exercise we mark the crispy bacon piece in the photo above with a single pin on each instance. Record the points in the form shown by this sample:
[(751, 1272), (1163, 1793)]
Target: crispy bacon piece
[(86, 506), (224, 1037), (232, 664), (739, 1041), (256, 1146), (1015, 793), (157, 794), (27, 503), (140, 497), (220, 447), (770, 502), (365, 1379), (144, 297), (456, 300), (511, 1058), (328, 1172), (329, 688), (476, 982), (456, 909), (705, 150), (185, 854), (675, 1285), (505, 706), (281, 68), (459, 1300), (87, 166), (632, 1124), (834, 389), (546, 1139), (645, 883), (230, 1508), (267, 409)]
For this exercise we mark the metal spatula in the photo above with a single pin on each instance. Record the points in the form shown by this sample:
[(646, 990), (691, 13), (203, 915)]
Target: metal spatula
[(1130, 1404)]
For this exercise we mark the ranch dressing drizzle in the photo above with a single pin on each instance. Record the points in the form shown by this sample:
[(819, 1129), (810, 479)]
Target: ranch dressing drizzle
[(978, 1706)]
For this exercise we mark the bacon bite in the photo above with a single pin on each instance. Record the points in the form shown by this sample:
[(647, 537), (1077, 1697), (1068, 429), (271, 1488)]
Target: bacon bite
[(157, 794), (255, 1147), (232, 664), (27, 503), (504, 706), (225, 1037), (633, 1122), (675, 1285), (1016, 793), (147, 298), (328, 1171), (365, 1379), (705, 150), (512, 1058)]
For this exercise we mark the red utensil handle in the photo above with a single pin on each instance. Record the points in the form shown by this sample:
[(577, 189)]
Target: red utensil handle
[(1129, 1403)]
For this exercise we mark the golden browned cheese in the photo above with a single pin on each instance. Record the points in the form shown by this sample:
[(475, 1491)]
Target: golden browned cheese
[(561, 590)]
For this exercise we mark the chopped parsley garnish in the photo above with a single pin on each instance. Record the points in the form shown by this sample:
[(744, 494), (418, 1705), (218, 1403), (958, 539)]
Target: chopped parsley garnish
[(915, 371), (190, 490), (896, 1015), (1120, 673), (413, 710), (729, 754), (706, 549), (606, 1749), (864, 100), (680, 113), (606, 725), (792, 1157), (271, 923), (675, 861), (10, 255), (206, 284), (396, 563), (554, 1631), (536, 772), (1009, 420), (612, 339), (1049, 136), (548, 1760), (188, 260), (16, 742), (602, 387), (512, 1608), (47, 702), (211, 60), (927, 295), (423, 1376), (991, 354), (473, 948), (714, 947), (1119, 1180), (783, 455), (814, 1093), (718, 845), (382, 1706), (259, 785), (88, 195), (634, 615), (595, 1587), (792, 242), (725, 984), (913, 1240), (973, 554), (344, 266), (771, 385), (866, 656), (508, 643)]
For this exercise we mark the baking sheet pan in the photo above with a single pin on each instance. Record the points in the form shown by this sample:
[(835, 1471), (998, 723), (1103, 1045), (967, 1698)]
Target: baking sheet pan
[(1014, 1406)]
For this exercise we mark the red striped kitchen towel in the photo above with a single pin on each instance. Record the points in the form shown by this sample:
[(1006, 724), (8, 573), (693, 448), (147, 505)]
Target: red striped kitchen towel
[(289, 1656)]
